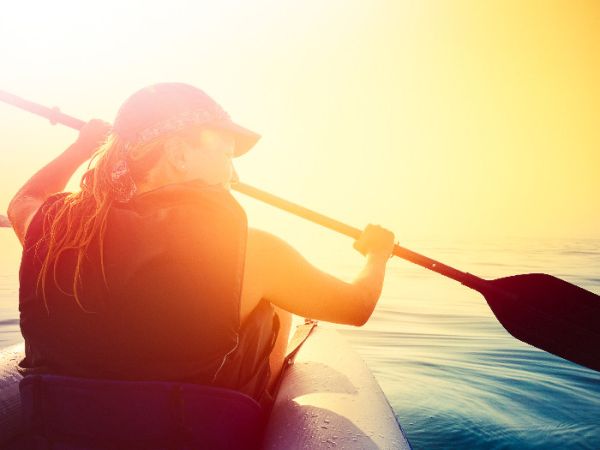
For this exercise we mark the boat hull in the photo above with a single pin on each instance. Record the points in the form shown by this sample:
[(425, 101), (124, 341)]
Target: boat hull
[(329, 398), (10, 401)]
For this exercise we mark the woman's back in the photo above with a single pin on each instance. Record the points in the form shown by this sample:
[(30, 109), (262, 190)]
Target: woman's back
[(173, 261)]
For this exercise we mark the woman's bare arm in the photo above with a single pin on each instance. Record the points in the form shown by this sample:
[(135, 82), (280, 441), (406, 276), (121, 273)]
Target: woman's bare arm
[(293, 284), (54, 176)]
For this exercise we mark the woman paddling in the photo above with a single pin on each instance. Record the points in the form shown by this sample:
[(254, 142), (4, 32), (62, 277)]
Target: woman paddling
[(150, 272)]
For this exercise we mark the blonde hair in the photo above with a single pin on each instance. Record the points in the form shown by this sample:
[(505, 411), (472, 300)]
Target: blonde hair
[(80, 218)]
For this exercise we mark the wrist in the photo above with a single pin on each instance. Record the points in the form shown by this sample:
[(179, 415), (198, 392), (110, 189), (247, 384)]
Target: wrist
[(379, 256), (78, 152)]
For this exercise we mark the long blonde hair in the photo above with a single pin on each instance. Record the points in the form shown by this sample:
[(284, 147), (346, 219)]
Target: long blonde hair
[(81, 217)]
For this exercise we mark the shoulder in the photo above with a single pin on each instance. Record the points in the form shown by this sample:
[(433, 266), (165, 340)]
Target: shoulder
[(262, 238), (27, 213), (277, 262), (269, 247)]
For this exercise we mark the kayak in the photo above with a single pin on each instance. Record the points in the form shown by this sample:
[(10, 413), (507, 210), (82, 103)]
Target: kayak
[(327, 398)]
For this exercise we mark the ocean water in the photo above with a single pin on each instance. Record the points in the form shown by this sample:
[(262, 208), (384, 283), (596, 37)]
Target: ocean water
[(452, 374)]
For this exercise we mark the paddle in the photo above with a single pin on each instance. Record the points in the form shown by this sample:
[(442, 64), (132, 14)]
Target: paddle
[(536, 308), (539, 309)]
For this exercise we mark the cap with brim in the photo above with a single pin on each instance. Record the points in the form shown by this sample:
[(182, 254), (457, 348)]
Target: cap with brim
[(245, 139), (170, 107)]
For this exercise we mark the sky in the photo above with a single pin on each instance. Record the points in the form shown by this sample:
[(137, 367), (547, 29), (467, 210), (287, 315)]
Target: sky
[(448, 119)]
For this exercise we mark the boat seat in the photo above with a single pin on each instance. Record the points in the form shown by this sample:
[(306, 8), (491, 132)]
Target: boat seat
[(66, 413)]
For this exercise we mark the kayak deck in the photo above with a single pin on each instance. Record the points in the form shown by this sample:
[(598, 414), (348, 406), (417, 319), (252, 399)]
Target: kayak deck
[(328, 398)]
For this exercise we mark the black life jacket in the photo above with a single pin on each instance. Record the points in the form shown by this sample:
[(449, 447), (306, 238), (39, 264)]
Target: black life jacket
[(169, 308)]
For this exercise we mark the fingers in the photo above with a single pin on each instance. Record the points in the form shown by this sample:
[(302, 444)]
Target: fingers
[(92, 135), (95, 130), (360, 247), (375, 240)]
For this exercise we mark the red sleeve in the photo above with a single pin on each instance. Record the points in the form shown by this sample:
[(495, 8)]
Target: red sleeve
[(46, 210)]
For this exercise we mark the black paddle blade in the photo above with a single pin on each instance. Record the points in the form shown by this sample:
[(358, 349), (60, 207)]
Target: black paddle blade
[(550, 314)]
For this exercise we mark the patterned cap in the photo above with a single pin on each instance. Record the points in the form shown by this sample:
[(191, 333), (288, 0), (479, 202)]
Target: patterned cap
[(171, 107)]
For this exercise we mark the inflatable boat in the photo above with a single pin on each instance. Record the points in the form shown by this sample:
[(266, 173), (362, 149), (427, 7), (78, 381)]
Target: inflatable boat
[(327, 398)]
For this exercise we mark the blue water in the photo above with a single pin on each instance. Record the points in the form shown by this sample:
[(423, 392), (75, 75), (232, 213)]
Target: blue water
[(452, 374)]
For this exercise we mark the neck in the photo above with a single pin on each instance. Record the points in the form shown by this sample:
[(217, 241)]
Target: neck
[(156, 178)]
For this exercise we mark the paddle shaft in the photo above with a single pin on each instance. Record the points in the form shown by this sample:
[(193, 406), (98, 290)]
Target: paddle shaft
[(470, 280), (52, 114)]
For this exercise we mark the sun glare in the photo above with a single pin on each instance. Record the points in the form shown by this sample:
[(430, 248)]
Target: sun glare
[(470, 119)]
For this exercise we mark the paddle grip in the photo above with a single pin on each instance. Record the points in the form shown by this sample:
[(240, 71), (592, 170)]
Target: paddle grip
[(52, 114)]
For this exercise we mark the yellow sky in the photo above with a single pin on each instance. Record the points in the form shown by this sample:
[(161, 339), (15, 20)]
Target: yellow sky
[(432, 118)]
